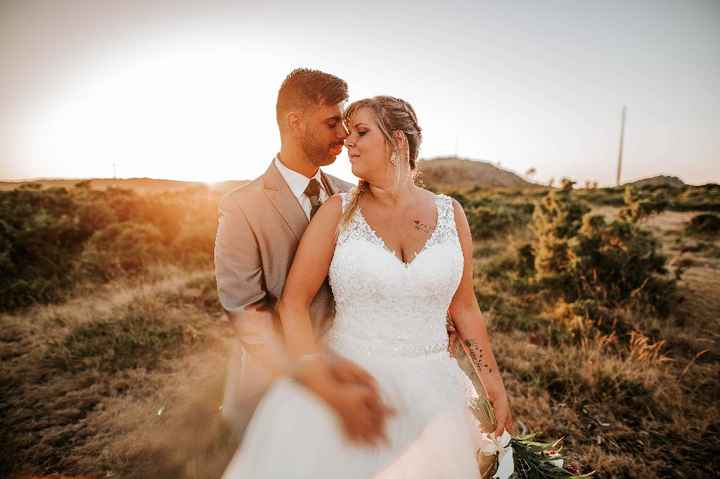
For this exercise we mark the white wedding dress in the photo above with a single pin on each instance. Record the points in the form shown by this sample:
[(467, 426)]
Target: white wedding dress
[(390, 319)]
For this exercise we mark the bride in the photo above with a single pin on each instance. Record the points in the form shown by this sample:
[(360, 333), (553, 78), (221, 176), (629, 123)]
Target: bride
[(399, 261)]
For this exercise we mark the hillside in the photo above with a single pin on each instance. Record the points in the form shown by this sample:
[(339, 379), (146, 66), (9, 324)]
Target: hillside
[(659, 180), (442, 173), (459, 173)]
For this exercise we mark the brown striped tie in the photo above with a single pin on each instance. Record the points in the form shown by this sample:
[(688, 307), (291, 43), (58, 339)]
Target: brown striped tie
[(313, 192)]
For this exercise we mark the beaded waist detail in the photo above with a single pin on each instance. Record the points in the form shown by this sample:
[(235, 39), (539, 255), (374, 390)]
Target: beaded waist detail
[(341, 342)]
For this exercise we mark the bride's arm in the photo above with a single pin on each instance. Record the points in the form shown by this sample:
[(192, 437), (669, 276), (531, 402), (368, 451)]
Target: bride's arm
[(470, 322), (346, 387), (307, 274)]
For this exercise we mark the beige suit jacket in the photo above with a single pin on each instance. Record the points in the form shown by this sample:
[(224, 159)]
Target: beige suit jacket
[(259, 228)]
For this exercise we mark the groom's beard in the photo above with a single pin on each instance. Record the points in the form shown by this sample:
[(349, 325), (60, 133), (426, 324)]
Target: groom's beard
[(318, 152)]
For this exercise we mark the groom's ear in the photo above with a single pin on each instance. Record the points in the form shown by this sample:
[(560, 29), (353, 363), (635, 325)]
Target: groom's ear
[(294, 121)]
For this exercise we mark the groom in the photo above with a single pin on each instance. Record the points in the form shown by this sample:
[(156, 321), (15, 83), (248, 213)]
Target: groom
[(260, 225)]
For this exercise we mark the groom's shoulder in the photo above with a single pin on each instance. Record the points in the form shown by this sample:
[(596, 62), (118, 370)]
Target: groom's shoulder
[(244, 195)]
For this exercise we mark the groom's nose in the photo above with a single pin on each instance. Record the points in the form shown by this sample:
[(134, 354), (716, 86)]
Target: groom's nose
[(343, 131)]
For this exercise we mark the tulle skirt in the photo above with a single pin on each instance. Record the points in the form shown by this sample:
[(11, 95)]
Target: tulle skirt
[(294, 434)]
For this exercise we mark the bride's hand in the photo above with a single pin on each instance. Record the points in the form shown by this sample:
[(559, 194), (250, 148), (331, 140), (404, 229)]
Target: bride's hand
[(501, 405)]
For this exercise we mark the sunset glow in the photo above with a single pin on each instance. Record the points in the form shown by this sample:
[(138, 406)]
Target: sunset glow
[(189, 93)]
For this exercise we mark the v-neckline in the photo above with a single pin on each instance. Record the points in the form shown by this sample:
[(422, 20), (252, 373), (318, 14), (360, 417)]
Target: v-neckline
[(392, 252)]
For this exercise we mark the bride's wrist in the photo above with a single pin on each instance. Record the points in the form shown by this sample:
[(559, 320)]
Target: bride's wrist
[(495, 388), (308, 365)]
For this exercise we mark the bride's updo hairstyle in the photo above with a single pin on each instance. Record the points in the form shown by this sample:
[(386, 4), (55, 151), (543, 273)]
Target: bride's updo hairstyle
[(391, 114)]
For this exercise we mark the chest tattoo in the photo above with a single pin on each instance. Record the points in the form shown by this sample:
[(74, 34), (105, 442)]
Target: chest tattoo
[(420, 226)]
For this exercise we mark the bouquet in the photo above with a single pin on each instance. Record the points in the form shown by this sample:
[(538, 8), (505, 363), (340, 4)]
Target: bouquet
[(519, 457)]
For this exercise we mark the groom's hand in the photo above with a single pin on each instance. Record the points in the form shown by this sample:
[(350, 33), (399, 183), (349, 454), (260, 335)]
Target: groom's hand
[(346, 371), (352, 393), (362, 414)]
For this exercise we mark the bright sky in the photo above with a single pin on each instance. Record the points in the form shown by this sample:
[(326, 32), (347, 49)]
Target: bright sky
[(187, 90)]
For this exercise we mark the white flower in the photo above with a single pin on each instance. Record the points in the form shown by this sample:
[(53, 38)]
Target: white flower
[(489, 444)]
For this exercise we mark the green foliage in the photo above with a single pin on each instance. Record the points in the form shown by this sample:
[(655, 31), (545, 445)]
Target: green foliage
[(52, 239), (492, 213), (619, 263), (556, 220), (121, 249), (489, 222), (603, 196), (698, 198), (677, 198), (705, 224), (581, 257), (41, 234), (638, 207)]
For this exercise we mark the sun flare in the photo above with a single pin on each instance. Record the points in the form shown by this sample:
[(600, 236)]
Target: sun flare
[(188, 116)]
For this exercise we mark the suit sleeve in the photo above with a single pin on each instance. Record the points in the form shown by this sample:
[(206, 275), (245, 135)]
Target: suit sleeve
[(238, 265)]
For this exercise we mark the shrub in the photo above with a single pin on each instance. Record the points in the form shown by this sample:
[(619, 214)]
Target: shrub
[(556, 220), (41, 234), (705, 224), (51, 238), (639, 207), (121, 249), (579, 256), (698, 198), (487, 222), (619, 263), (604, 197)]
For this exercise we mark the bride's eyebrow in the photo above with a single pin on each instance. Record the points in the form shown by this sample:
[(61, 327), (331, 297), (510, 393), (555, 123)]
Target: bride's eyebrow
[(356, 125)]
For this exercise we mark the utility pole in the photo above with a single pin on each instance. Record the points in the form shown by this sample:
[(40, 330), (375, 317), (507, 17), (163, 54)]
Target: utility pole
[(620, 153)]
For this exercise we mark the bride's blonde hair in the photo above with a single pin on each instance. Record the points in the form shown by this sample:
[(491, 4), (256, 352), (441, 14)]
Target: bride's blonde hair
[(392, 114)]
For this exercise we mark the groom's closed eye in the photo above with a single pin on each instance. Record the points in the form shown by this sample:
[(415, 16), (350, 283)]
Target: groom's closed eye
[(332, 123)]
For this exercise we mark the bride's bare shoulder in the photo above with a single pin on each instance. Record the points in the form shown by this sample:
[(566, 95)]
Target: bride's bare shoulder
[(426, 194)]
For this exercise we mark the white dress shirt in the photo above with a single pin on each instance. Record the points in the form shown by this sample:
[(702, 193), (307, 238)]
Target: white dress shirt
[(298, 182)]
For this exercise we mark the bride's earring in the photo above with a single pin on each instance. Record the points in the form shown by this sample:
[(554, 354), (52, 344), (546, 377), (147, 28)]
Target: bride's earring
[(395, 158)]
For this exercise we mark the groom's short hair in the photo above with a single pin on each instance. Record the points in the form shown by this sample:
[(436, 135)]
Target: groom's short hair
[(304, 87)]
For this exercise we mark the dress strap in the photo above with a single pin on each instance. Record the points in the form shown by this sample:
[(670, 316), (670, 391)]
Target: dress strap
[(446, 212), (353, 226), (446, 220)]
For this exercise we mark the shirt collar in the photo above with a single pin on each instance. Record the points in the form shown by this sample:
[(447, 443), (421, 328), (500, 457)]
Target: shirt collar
[(297, 181)]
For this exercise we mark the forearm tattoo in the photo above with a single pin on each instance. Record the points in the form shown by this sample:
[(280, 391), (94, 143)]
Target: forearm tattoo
[(477, 356), (420, 226)]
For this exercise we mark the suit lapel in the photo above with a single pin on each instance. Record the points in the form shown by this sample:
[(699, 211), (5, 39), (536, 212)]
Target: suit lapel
[(284, 201)]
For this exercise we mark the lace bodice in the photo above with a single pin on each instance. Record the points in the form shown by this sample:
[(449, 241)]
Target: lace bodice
[(385, 305)]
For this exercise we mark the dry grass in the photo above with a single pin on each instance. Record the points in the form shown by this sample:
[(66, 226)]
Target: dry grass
[(641, 407), (80, 380)]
